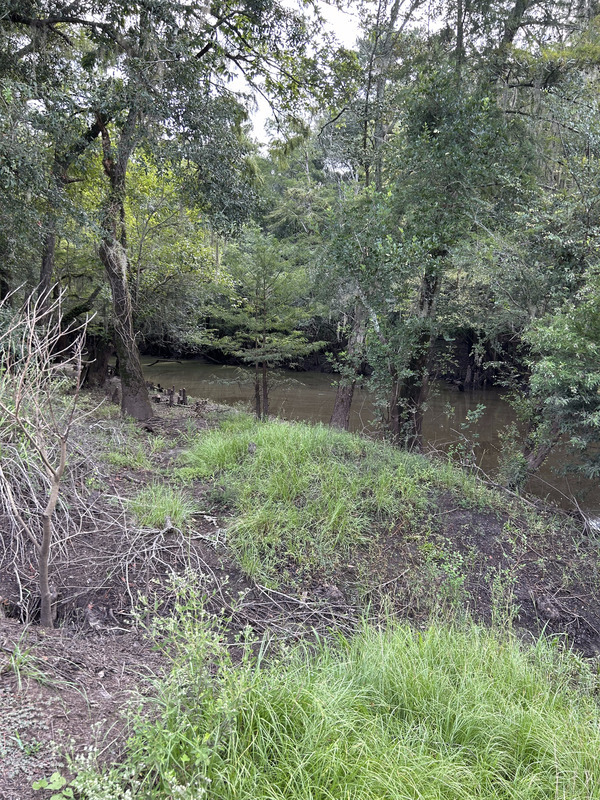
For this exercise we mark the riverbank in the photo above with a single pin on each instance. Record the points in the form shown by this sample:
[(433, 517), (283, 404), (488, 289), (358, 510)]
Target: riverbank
[(468, 423), (290, 531)]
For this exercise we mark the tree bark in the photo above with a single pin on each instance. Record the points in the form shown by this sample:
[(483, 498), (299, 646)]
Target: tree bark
[(265, 392), (47, 595), (47, 267), (98, 352), (537, 452), (340, 418), (257, 391), (135, 400), (410, 393)]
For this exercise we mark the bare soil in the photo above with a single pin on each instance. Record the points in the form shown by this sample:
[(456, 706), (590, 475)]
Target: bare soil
[(64, 690)]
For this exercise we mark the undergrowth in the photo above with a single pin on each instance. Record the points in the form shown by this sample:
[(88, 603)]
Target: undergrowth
[(159, 505), (443, 714), (306, 496)]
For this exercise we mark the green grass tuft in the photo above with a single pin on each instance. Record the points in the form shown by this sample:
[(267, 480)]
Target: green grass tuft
[(304, 494), (131, 457), (445, 714), (155, 505)]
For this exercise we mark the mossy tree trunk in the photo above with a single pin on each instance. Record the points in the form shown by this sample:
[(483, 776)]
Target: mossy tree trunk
[(135, 400)]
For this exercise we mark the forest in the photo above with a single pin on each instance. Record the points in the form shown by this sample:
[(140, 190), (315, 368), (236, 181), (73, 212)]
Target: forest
[(426, 205), (297, 611)]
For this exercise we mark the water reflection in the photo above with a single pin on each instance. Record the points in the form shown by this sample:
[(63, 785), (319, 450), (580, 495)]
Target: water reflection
[(310, 396)]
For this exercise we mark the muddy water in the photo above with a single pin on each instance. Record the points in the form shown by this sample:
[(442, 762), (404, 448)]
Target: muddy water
[(310, 395)]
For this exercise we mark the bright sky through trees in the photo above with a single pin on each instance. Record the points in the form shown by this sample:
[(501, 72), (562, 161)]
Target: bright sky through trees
[(344, 24)]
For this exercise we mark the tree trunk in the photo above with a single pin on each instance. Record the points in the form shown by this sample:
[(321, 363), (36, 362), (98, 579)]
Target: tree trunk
[(340, 418), (265, 392), (47, 596), (47, 267), (411, 392), (98, 353), (134, 399), (410, 396), (537, 452), (257, 391)]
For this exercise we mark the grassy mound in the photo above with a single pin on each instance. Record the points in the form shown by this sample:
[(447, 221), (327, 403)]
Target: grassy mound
[(445, 714), (305, 495)]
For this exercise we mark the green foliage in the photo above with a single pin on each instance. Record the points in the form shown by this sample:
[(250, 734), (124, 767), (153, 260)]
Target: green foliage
[(445, 713), (174, 270), (267, 306), (307, 496), (57, 784), (158, 505), (565, 374), (133, 457)]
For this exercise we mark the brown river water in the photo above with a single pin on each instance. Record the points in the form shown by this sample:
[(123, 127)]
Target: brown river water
[(309, 396)]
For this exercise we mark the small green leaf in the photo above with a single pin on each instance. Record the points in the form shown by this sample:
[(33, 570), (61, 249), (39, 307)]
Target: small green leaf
[(56, 781)]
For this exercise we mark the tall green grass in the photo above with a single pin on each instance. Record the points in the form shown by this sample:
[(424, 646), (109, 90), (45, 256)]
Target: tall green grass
[(304, 494), (444, 714), (158, 505)]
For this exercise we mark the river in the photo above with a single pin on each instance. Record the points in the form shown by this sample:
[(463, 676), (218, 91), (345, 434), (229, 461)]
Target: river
[(310, 395)]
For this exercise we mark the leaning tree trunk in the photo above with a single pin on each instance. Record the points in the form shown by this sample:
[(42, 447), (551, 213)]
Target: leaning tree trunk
[(134, 398), (537, 448)]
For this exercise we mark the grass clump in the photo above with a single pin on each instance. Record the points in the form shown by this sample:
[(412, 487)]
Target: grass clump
[(158, 505), (130, 457), (304, 494), (445, 714)]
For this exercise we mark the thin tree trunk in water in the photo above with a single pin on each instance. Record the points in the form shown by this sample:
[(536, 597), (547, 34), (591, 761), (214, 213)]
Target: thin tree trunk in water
[(340, 418), (265, 392), (410, 396), (257, 391), (134, 398), (411, 392), (265, 385), (394, 418)]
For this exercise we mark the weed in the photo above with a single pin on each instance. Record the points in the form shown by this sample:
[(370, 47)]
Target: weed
[(158, 505), (446, 713), (305, 495), (453, 567), (504, 608), (132, 457), (57, 784), (157, 444)]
